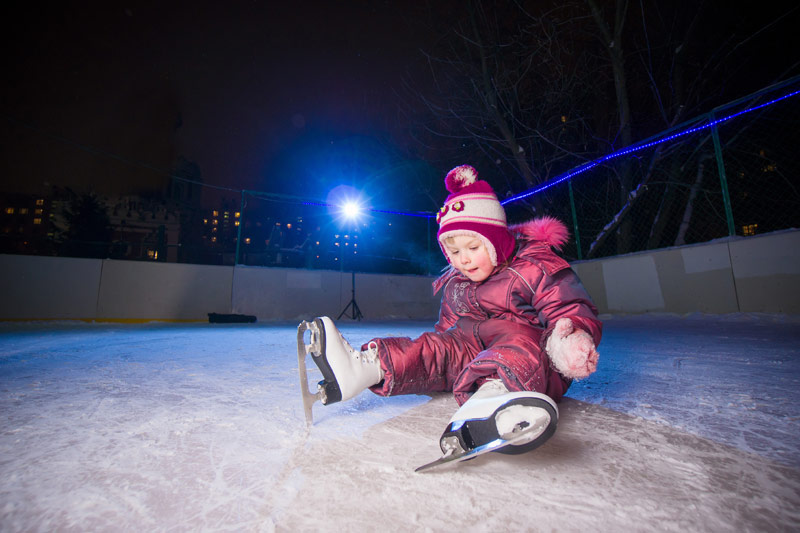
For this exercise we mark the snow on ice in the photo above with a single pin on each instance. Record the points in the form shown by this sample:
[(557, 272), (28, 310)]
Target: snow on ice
[(690, 424)]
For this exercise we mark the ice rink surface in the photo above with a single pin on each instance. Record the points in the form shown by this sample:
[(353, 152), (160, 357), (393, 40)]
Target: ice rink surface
[(690, 424)]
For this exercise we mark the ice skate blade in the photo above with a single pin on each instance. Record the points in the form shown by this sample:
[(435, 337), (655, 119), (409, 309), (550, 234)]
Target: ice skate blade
[(303, 349), (449, 459)]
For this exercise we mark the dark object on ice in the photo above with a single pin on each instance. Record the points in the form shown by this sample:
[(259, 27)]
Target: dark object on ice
[(218, 318)]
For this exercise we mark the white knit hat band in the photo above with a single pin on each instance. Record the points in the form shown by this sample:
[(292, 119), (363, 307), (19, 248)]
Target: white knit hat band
[(480, 208)]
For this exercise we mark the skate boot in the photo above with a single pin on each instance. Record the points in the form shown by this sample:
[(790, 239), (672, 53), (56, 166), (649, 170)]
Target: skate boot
[(346, 371), (494, 415)]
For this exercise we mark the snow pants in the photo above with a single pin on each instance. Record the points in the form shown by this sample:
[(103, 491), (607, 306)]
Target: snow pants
[(461, 358)]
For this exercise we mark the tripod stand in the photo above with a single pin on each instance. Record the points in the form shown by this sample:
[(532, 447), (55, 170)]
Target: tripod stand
[(356, 312)]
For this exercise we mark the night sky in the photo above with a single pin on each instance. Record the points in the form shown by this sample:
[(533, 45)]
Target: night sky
[(107, 96), (98, 91)]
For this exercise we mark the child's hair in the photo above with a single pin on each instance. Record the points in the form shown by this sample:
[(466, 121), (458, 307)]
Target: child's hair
[(504, 264)]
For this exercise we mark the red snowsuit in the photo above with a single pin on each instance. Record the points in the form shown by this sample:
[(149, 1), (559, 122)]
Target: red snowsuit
[(495, 328)]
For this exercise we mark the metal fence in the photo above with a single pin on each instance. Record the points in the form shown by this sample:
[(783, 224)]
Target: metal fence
[(733, 171)]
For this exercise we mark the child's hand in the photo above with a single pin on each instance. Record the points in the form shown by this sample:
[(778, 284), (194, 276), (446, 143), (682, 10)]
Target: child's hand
[(572, 351)]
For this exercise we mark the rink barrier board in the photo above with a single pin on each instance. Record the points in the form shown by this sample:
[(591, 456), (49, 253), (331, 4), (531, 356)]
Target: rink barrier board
[(742, 274)]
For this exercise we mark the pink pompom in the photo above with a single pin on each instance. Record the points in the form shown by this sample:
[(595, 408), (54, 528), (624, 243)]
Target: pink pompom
[(545, 229), (460, 177)]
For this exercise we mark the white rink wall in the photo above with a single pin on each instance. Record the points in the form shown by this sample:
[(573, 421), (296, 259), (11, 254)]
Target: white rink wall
[(45, 288), (742, 274), (753, 274)]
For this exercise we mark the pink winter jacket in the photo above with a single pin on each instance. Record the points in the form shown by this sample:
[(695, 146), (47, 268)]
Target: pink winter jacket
[(536, 287)]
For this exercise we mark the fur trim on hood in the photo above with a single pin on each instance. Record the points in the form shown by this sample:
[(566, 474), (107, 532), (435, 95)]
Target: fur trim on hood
[(548, 230)]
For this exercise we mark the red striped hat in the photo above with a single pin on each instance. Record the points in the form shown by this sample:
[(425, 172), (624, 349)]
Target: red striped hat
[(472, 209)]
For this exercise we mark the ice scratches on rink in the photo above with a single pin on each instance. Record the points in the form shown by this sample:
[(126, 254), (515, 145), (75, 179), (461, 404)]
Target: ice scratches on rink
[(602, 471), (690, 424)]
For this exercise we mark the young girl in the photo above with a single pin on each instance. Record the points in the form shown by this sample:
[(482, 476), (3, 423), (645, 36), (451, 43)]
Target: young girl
[(515, 328)]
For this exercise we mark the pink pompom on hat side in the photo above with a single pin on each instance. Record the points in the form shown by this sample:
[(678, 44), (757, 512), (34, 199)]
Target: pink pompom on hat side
[(472, 208)]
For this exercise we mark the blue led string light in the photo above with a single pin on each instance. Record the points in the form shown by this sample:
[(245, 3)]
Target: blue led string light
[(423, 214), (637, 147), (551, 183)]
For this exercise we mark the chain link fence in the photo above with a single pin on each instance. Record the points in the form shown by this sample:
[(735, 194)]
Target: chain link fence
[(731, 172)]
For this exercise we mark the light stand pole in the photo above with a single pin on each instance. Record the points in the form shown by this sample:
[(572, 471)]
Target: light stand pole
[(351, 210), (356, 312)]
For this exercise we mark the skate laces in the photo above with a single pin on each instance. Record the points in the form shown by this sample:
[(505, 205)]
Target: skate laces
[(491, 387), (371, 353)]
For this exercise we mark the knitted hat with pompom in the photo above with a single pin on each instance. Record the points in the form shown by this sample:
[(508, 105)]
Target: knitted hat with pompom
[(472, 209)]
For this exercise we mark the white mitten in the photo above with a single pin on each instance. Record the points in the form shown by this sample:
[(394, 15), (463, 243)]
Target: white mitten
[(571, 350)]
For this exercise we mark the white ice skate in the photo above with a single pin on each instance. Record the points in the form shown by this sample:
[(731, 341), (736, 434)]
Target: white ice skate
[(345, 371), (496, 420)]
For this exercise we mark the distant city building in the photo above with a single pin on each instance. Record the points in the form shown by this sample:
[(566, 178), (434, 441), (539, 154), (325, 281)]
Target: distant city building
[(176, 230), (144, 228), (27, 225)]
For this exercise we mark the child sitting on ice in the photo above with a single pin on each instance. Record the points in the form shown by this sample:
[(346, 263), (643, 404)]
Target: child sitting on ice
[(515, 328)]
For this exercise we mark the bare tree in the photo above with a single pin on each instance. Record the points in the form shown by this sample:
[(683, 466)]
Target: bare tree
[(540, 90), (509, 87)]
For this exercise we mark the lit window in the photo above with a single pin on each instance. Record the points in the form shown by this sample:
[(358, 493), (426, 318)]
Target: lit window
[(37, 211), (563, 118), (236, 223), (214, 230), (225, 214), (23, 210), (247, 240), (205, 221), (289, 226), (152, 254), (750, 229), (215, 221), (214, 239), (9, 210), (214, 213), (237, 214), (39, 201), (37, 221)]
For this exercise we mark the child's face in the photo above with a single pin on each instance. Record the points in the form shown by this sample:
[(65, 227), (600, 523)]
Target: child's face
[(468, 254)]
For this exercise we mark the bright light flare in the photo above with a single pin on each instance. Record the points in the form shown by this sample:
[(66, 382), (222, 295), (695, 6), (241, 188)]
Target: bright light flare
[(351, 210)]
